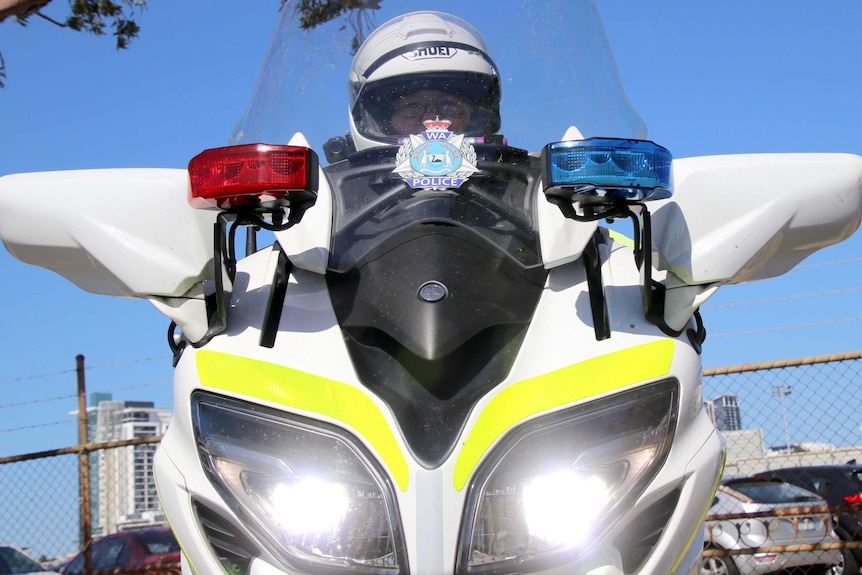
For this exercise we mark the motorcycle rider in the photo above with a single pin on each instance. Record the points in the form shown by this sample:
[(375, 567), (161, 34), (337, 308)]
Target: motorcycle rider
[(422, 66)]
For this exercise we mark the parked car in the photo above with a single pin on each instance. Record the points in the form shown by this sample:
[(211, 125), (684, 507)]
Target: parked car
[(756, 497), (14, 560), (131, 552), (840, 486)]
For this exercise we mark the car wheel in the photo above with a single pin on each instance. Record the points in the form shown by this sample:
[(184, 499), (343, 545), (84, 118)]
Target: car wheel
[(848, 565), (718, 566)]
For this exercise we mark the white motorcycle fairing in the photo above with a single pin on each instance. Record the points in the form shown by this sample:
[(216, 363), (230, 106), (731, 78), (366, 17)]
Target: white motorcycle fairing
[(440, 381), (548, 366)]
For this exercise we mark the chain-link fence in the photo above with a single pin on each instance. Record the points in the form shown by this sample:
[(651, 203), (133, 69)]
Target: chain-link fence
[(792, 490), (794, 421), (41, 505), (93, 505)]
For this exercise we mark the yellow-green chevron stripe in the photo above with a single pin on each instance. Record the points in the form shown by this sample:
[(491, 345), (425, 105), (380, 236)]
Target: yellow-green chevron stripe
[(561, 387), (308, 392)]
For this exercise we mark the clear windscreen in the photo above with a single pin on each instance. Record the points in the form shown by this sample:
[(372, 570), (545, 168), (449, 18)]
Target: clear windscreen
[(555, 65)]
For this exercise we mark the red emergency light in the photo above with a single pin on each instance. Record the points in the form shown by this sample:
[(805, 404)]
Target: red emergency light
[(253, 175)]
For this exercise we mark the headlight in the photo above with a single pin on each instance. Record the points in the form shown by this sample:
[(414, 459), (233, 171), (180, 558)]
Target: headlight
[(308, 490), (556, 485)]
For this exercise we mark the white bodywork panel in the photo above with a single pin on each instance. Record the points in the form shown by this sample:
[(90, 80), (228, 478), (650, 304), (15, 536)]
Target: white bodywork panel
[(562, 240), (123, 232), (741, 218), (307, 244)]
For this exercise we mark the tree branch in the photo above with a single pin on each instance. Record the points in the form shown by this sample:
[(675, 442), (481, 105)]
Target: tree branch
[(20, 7)]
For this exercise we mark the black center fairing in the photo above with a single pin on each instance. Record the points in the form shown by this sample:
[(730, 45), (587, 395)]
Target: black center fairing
[(434, 289)]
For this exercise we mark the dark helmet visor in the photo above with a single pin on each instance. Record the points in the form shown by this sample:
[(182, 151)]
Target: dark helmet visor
[(377, 101)]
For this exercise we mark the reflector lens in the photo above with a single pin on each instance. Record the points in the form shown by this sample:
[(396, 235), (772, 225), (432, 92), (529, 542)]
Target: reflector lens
[(256, 174), (608, 167)]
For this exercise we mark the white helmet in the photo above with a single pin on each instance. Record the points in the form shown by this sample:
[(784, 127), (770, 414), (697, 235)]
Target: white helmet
[(421, 51)]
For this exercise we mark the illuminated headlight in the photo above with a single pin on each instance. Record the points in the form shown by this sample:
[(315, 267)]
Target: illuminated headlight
[(311, 492), (556, 485), (617, 169)]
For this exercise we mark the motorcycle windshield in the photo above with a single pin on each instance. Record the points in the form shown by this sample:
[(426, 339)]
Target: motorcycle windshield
[(555, 66)]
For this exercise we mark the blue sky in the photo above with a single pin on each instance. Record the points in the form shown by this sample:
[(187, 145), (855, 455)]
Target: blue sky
[(707, 78)]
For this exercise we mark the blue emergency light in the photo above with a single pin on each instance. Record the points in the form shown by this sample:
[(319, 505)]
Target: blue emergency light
[(610, 168)]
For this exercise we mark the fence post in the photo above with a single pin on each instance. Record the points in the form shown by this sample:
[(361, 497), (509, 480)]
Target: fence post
[(84, 466)]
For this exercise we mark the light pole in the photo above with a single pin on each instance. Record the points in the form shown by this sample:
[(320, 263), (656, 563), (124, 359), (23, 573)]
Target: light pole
[(782, 391)]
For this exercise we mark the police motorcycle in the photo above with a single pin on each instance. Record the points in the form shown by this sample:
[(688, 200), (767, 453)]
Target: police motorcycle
[(441, 362)]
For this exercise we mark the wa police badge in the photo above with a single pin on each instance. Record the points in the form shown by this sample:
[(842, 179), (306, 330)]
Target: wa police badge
[(437, 159)]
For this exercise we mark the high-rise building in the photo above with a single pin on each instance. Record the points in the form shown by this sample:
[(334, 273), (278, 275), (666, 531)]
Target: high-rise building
[(126, 489), (93, 400), (724, 412)]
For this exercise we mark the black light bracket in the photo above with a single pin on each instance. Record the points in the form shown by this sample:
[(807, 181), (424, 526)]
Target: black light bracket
[(228, 222), (595, 286), (653, 292)]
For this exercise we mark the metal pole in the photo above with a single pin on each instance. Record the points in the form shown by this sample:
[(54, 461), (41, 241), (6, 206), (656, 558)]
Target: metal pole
[(84, 466), (784, 412), (782, 391)]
